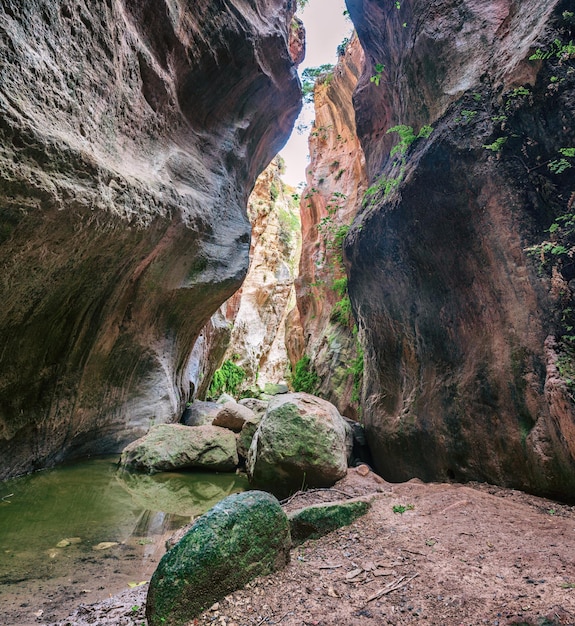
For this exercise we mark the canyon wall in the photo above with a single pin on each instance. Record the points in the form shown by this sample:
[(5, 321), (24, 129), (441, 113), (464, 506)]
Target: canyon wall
[(322, 327), (461, 257), (131, 134), (249, 328)]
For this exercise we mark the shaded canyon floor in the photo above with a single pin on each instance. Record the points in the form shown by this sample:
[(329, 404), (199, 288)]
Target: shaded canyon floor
[(441, 554)]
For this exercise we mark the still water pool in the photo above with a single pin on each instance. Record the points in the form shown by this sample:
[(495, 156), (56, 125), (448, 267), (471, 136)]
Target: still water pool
[(87, 528)]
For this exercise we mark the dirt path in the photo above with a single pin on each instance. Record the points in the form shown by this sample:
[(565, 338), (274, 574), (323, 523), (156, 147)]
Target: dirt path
[(457, 555)]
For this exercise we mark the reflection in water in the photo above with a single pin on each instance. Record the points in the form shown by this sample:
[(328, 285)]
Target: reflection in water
[(54, 519), (176, 493)]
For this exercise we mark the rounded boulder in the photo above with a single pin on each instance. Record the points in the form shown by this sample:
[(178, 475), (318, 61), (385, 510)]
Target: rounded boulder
[(302, 441), (168, 447), (244, 536)]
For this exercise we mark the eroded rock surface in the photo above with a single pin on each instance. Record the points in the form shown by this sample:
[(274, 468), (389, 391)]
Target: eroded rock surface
[(131, 134), (453, 284), (321, 328)]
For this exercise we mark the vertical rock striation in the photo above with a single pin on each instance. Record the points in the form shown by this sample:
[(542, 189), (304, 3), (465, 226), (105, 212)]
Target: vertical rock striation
[(131, 134), (335, 185), (459, 288)]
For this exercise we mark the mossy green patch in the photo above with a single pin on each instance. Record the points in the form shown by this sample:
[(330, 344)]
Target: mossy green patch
[(244, 536), (316, 521)]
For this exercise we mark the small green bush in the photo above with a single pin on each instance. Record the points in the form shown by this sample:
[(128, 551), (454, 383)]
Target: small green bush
[(497, 145), (339, 285), (304, 378), (341, 312), (227, 379)]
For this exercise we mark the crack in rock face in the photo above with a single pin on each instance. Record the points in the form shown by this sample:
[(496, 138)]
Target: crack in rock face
[(130, 137)]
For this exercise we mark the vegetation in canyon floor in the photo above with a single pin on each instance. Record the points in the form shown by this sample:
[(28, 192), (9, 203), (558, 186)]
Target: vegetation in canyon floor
[(401, 509), (226, 379)]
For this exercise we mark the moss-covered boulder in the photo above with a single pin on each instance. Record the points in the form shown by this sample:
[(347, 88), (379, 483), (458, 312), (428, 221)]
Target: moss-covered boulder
[(321, 519), (301, 441), (244, 536), (168, 447)]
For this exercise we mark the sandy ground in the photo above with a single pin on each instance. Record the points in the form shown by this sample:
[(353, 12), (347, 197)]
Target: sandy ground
[(456, 556)]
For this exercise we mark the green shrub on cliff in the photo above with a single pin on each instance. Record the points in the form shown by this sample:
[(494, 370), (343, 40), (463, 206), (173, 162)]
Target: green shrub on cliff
[(312, 76), (386, 184), (341, 312), (407, 136), (304, 377)]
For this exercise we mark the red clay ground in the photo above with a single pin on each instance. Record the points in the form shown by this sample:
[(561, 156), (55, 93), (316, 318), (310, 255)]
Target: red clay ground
[(458, 555)]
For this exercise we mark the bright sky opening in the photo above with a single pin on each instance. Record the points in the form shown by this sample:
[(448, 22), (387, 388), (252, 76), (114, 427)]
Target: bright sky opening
[(326, 27)]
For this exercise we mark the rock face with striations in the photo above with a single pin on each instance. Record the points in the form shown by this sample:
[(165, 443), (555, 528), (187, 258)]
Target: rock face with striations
[(131, 134), (335, 185), (460, 259)]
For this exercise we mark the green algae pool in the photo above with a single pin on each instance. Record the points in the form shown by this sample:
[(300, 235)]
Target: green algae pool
[(88, 528)]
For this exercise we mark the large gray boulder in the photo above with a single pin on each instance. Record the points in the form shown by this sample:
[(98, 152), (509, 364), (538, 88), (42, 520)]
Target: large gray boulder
[(244, 536), (302, 441), (200, 413), (169, 447)]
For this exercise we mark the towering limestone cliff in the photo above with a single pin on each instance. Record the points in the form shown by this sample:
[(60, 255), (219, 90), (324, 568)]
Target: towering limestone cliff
[(462, 255), (131, 134), (323, 323)]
